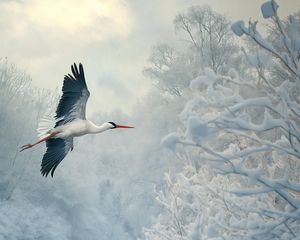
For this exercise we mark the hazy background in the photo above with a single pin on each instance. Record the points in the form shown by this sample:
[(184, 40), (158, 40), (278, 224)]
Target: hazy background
[(107, 187), (112, 38)]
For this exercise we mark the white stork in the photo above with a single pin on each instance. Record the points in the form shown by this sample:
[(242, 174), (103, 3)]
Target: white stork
[(69, 122)]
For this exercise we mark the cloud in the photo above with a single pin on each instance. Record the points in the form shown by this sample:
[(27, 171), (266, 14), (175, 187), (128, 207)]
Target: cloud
[(112, 38), (88, 20), (46, 37)]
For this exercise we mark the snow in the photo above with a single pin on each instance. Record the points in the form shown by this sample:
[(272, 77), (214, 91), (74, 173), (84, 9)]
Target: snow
[(198, 130), (233, 73), (260, 59), (246, 192), (232, 172), (245, 127), (100, 190), (199, 83), (171, 140), (212, 232), (238, 28), (269, 9), (196, 235)]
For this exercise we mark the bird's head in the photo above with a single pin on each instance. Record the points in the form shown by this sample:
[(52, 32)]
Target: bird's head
[(113, 125)]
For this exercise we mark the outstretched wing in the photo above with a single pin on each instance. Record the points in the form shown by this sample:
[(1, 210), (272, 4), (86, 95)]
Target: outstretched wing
[(57, 149), (72, 104)]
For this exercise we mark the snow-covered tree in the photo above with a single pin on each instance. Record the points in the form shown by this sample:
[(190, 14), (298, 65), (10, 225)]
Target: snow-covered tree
[(209, 37), (208, 42), (170, 69), (246, 129), (20, 108)]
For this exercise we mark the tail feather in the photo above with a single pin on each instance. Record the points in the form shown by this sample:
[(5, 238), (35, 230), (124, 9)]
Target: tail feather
[(46, 124)]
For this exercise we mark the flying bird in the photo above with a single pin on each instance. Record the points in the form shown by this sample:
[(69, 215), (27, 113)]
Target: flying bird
[(69, 122)]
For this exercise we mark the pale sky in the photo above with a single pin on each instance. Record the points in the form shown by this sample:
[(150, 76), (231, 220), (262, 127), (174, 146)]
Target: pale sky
[(112, 38)]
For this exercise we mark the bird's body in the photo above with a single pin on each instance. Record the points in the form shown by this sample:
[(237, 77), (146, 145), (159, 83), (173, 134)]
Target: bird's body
[(69, 122), (79, 127)]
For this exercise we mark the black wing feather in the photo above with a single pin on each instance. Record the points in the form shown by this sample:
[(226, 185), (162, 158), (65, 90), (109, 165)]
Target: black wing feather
[(57, 149), (72, 104)]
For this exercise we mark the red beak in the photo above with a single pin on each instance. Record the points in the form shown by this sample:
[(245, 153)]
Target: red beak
[(123, 126)]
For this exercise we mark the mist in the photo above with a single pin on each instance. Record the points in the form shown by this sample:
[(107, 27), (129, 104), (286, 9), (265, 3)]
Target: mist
[(214, 101)]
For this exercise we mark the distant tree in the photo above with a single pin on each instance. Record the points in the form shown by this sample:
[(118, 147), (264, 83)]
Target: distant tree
[(210, 38), (169, 69), (209, 43), (21, 107)]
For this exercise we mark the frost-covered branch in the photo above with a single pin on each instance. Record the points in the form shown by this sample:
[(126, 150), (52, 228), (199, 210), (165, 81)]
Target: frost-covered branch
[(290, 41), (245, 129)]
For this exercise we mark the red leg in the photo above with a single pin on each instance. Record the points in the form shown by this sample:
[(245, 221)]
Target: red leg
[(24, 147)]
